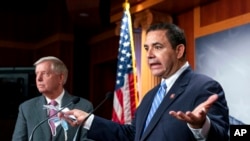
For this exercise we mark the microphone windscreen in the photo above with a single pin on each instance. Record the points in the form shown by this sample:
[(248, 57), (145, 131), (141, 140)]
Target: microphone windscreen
[(109, 95), (76, 100)]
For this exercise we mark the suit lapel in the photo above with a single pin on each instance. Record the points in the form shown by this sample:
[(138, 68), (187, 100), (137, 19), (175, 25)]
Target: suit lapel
[(67, 99), (175, 91), (145, 107), (42, 115)]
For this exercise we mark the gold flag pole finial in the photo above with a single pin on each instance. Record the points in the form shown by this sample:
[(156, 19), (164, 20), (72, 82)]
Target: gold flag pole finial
[(126, 5)]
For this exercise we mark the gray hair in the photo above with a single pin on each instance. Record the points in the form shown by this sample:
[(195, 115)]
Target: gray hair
[(57, 65)]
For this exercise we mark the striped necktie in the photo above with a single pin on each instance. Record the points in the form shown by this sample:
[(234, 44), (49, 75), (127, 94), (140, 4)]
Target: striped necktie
[(157, 101)]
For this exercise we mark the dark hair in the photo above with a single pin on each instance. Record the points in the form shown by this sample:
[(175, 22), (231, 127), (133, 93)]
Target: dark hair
[(174, 34)]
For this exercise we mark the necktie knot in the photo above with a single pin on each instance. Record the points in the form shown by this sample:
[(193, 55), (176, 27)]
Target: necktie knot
[(53, 102), (163, 85)]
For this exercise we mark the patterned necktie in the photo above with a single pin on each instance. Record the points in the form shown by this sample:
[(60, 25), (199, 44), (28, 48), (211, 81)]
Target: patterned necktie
[(157, 101), (52, 113)]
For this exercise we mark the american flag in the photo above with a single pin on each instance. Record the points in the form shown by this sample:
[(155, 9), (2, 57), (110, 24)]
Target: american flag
[(125, 94)]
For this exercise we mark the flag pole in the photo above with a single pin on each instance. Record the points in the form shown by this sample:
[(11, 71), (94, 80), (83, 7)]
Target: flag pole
[(126, 7)]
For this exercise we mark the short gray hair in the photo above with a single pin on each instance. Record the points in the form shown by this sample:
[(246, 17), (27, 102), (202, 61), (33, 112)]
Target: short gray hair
[(57, 65)]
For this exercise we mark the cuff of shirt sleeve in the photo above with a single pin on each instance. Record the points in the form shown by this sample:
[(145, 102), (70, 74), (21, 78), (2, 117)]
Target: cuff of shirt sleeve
[(87, 124), (201, 133)]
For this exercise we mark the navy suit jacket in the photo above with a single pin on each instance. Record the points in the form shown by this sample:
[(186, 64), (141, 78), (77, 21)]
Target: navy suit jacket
[(189, 90), (31, 112)]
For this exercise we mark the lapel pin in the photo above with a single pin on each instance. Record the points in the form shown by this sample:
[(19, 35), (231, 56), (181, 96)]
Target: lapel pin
[(172, 96)]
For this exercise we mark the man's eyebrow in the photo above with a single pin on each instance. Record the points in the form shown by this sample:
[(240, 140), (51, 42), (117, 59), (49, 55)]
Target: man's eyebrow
[(156, 43)]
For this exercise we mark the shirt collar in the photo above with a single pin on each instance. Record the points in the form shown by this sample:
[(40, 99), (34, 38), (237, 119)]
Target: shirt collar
[(170, 81), (58, 99)]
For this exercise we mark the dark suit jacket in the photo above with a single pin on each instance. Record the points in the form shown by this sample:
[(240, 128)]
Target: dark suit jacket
[(189, 90), (31, 112)]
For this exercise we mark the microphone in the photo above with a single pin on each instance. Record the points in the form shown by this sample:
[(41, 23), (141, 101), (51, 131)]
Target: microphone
[(109, 95), (73, 101)]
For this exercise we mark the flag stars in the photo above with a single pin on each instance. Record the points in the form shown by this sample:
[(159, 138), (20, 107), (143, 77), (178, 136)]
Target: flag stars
[(118, 82), (129, 66), (126, 44), (123, 51), (124, 65), (126, 37), (120, 66), (122, 59), (119, 74), (124, 74), (123, 27), (121, 34), (128, 54)]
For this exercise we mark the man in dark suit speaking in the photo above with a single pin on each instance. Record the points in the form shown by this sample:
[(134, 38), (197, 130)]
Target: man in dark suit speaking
[(193, 106), (51, 75)]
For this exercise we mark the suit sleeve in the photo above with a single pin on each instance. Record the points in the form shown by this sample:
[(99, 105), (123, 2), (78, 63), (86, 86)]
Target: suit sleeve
[(20, 131), (218, 115), (106, 130)]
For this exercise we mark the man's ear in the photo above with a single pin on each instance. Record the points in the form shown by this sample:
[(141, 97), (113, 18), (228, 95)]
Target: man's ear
[(62, 77), (180, 49)]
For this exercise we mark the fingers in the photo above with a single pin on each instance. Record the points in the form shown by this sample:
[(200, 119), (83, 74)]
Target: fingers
[(205, 106), (180, 115), (71, 112), (72, 122), (203, 110), (198, 113), (211, 99), (76, 123)]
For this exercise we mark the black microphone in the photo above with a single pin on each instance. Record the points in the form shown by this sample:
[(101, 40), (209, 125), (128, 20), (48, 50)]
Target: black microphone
[(73, 101), (109, 95)]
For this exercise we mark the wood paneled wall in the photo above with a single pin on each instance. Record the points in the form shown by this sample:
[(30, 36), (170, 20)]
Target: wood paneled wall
[(103, 72)]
